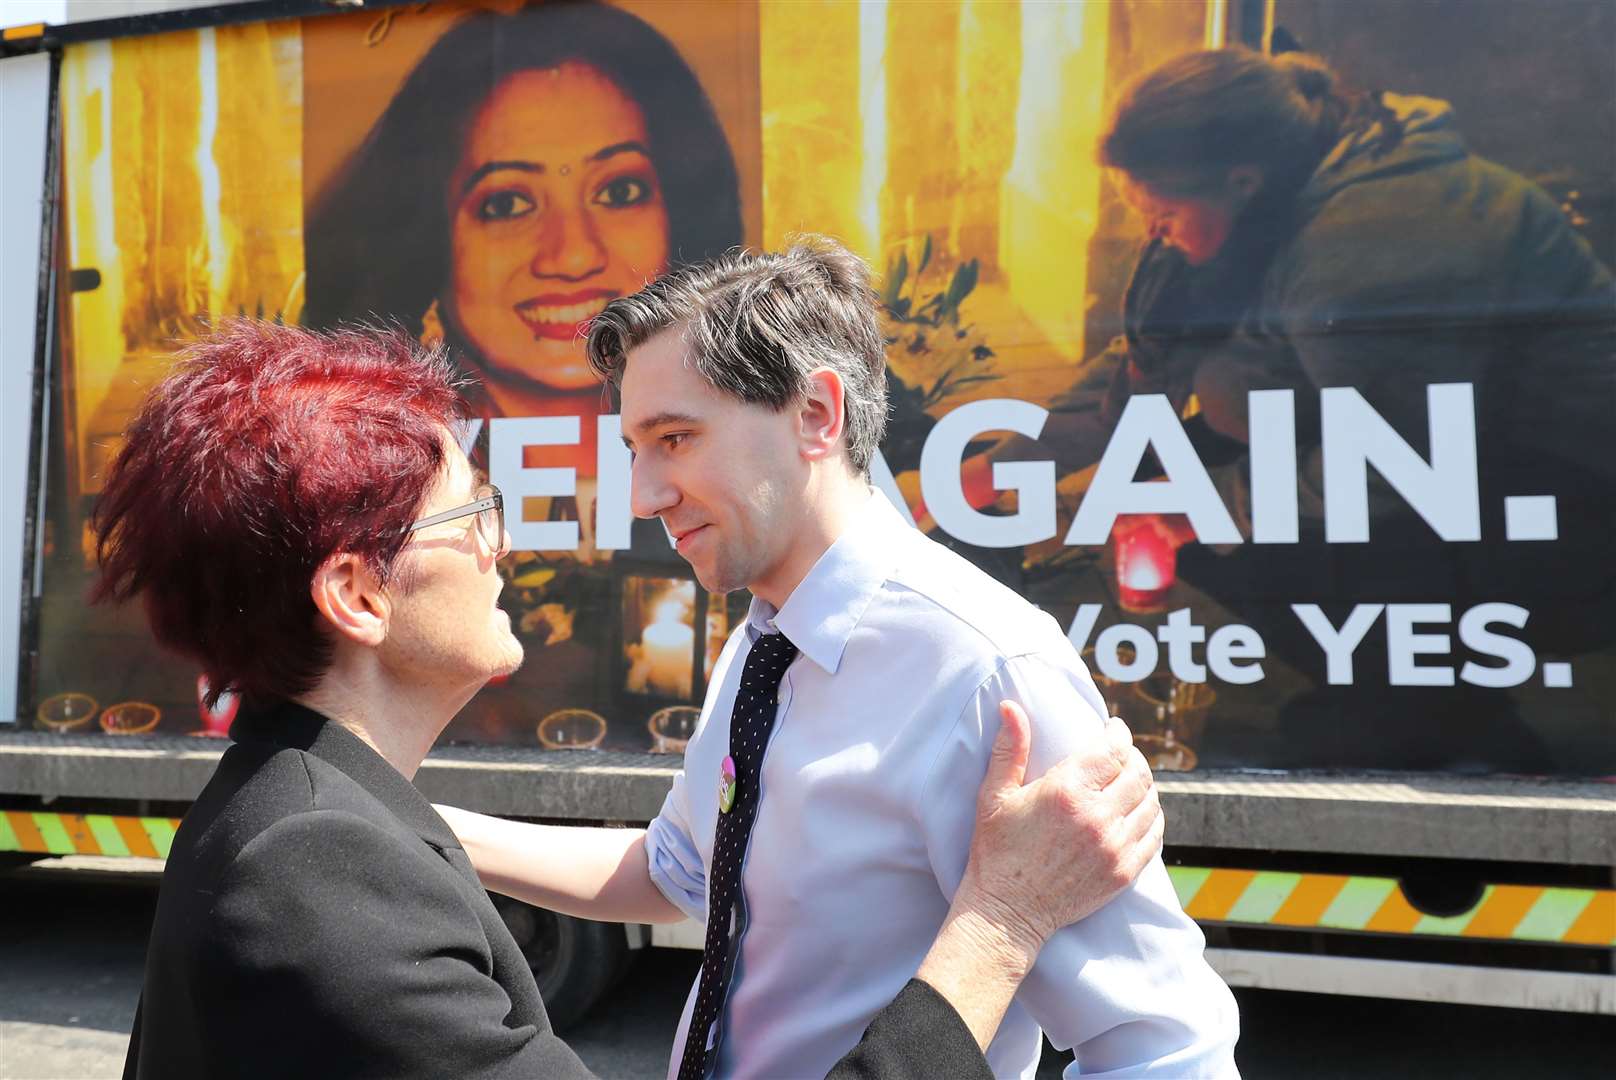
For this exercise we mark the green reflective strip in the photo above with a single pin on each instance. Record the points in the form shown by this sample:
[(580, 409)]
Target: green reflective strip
[(1553, 914), (106, 834), (161, 833), (1357, 903), (57, 842), (8, 836), (1187, 881), (1267, 891), (1451, 925)]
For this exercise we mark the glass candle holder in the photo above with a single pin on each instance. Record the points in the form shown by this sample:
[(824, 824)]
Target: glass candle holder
[(130, 718), (572, 729), (1183, 706), (1119, 697), (672, 727), (66, 712), (217, 720), (1165, 753)]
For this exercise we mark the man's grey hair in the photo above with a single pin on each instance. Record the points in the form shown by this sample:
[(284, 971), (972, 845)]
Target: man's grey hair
[(755, 324)]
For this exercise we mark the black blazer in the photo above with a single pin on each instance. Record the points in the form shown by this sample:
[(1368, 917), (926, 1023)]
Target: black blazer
[(317, 918)]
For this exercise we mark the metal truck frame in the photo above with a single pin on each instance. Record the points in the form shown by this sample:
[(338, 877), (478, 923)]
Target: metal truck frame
[(1482, 891)]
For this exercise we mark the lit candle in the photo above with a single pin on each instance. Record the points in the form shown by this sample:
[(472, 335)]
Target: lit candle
[(1147, 565), (669, 644)]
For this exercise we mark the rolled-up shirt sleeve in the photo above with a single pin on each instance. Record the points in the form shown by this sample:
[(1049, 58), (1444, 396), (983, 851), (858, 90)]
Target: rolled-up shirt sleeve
[(1128, 988), (671, 855)]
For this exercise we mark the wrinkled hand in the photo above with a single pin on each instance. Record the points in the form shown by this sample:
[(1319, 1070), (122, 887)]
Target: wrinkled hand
[(1050, 853)]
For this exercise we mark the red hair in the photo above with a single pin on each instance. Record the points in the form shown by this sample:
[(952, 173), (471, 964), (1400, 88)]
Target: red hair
[(267, 450)]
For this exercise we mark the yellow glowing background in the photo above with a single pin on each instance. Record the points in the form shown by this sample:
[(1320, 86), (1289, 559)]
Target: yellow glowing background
[(966, 123), (970, 121), (183, 155)]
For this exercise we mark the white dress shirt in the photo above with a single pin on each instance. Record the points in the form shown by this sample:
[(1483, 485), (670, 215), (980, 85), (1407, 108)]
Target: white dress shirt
[(886, 722)]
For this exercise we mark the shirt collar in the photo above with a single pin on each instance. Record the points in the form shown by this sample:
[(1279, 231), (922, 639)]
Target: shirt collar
[(823, 610)]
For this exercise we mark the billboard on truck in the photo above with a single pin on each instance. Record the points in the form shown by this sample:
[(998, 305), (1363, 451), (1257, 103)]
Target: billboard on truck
[(1311, 450)]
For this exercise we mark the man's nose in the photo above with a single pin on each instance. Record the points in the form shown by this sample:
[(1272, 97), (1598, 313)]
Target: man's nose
[(650, 492), (569, 246)]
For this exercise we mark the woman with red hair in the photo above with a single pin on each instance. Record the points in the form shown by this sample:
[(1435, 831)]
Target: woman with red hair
[(297, 517)]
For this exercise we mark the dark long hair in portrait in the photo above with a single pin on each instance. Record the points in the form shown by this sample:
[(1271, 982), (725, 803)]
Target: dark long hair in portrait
[(377, 242)]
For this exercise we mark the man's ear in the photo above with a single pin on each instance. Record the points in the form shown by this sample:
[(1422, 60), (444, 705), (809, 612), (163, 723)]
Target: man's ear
[(822, 415), (351, 599)]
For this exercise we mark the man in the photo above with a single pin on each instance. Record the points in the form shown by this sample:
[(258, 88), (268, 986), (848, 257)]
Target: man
[(852, 714), (296, 516)]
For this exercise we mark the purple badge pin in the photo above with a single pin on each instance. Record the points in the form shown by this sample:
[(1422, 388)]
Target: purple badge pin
[(726, 784)]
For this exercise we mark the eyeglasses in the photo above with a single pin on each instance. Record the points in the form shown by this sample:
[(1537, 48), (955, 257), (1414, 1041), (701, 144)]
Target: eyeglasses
[(489, 506)]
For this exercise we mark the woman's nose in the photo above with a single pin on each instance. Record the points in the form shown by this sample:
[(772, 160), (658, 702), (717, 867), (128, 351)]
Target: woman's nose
[(569, 248)]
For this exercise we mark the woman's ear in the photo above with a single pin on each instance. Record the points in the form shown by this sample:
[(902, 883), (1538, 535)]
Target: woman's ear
[(822, 415), (353, 602), (1245, 181)]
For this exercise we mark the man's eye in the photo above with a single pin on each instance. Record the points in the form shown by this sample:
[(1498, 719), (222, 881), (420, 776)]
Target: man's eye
[(624, 191), (503, 205), (675, 439)]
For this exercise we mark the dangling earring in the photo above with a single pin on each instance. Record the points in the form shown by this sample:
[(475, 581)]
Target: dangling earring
[(432, 326)]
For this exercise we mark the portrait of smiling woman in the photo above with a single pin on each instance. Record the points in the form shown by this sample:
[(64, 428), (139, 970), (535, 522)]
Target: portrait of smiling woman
[(531, 167), (490, 178)]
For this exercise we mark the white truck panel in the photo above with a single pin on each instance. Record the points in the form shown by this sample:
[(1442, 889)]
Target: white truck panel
[(1406, 980), (25, 89)]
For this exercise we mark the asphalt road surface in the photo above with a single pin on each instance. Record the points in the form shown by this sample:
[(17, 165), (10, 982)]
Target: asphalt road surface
[(72, 945)]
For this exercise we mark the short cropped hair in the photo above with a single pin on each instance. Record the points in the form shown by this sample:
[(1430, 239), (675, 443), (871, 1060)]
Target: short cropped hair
[(757, 323), (265, 451)]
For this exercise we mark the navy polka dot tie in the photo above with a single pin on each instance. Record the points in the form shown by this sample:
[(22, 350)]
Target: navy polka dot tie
[(750, 725)]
